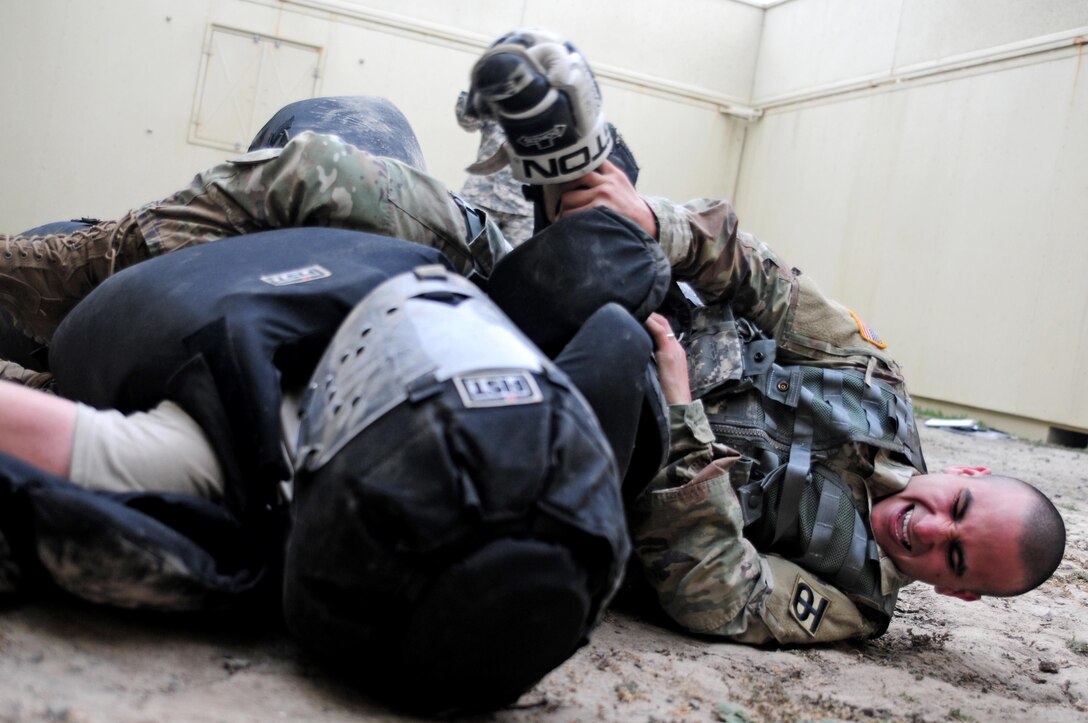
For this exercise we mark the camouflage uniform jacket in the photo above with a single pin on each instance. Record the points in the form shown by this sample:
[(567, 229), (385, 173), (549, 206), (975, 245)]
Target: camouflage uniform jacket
[(319, 180), (687, 526)]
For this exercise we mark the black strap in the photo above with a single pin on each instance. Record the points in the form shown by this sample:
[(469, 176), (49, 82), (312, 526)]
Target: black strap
[(475, 238), (858, 555), (823, 531), (797, 468), (871, 402)]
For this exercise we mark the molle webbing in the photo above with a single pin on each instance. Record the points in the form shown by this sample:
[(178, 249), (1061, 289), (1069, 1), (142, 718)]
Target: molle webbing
[(841, 405), (802, 509), (788, 419), (828, 536), (799, 508)]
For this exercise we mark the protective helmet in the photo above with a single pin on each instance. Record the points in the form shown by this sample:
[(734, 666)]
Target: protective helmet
[(369, 122), (456, 512)]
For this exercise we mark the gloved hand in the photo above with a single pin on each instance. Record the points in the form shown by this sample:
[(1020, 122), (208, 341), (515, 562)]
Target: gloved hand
[(544, 95)]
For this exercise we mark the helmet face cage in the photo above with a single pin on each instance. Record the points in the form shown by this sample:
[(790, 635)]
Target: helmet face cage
[(425, 518)]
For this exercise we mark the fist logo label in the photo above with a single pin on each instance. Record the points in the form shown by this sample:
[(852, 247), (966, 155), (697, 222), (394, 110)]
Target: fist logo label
[(544, 141), (297, 276)]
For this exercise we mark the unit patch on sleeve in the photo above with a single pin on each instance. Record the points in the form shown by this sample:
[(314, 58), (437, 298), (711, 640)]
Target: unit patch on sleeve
[(868, 334), (808, 606)]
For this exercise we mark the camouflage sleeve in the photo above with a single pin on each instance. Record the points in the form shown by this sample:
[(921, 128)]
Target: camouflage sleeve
[(319, 180), (705, 248), (799, 608), (687, 531), (688, 535)]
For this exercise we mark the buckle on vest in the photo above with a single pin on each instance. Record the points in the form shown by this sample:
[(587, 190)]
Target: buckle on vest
[(751, 495), (751, 502)]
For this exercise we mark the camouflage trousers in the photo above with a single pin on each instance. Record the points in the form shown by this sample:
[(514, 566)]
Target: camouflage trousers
[(315, 180)]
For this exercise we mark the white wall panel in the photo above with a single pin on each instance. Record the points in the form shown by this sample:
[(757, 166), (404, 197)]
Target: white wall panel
[(113, 85), (811, 43), (244, 79), (950, 214), (709, 43), (935, 29), (96, 115)]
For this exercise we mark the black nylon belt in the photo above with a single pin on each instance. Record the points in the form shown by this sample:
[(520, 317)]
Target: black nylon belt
[(798, 465)]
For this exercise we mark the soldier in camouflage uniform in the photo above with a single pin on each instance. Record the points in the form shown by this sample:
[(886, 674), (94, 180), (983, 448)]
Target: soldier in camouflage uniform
[(796, 500), (315, 180), (689, 519), (498, 194), (689, 526)]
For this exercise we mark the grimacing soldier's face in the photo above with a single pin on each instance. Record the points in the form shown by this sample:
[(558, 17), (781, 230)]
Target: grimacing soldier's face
[(956, 530)]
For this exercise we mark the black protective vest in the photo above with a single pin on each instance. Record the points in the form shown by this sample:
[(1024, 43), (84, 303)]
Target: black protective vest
[(788, 419), (554, 282), (222, 344)]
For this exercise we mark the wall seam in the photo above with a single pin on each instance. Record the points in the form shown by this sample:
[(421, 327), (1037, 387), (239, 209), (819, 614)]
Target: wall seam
[(1075, 38)]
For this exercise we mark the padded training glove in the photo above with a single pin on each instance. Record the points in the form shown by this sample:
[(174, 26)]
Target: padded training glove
[(542, 92)]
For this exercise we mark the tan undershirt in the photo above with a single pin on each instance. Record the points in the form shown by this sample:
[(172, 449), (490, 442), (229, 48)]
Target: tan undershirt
[(161, 450)]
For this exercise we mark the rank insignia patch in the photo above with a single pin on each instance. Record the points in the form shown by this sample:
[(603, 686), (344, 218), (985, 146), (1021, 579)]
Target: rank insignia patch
[(868, 334), (497, 389), (808, 606), (297, 276)]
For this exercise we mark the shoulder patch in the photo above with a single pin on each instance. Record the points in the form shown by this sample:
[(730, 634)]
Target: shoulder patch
[(868, 334), (807, 606)]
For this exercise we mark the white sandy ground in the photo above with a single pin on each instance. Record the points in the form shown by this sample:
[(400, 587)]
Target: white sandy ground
[(942, 660)]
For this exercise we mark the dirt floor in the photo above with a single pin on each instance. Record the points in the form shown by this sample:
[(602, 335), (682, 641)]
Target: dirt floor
[(1019, 660)]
